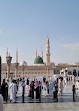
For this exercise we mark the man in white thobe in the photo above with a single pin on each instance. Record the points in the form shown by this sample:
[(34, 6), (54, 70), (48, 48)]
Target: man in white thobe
[(50, 88), (13, 90)]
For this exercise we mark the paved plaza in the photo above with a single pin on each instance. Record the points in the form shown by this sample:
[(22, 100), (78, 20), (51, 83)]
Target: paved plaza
[(65, 103)]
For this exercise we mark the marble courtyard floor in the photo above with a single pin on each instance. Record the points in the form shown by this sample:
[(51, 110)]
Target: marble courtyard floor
[(65, 103)]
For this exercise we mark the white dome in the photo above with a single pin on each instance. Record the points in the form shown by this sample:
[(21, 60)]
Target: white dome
[(23, 63)]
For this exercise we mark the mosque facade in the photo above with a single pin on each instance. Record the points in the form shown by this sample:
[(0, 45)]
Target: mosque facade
[(39, 68)]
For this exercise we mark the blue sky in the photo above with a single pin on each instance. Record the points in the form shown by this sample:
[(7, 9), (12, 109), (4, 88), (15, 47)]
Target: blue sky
[(25, 24)]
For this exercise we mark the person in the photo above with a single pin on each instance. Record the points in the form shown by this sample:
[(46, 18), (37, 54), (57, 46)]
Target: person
[(13, 90), (77, 87), (32, 89), (47, 84), (27, 81), (65, 81), (37, 89), (1, 103), (17, 83), (23, 84), (4, 89), (44, 89), (55, 92), (74, 92), (50, 88), (60, 86)]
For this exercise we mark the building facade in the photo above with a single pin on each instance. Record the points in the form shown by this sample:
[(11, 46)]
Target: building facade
[(39, 68)]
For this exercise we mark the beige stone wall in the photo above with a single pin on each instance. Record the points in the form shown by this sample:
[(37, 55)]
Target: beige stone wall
[(30, 71)]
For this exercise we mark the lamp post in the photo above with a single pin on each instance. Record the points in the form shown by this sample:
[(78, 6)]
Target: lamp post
[(23, 70), (8, 60)]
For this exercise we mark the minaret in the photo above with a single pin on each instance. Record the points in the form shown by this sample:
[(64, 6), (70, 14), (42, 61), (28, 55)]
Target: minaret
[(47, 52), (16, 64), (36, 53), (7, 53), (41, 53), (16, 56)]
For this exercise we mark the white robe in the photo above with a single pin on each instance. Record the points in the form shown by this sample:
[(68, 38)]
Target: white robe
[(50, 88), (13, 90), (44, 90), (60, 87), (1, 103), (77, 88)]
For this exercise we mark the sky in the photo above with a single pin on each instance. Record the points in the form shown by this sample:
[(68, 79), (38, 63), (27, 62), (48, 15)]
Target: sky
[(25, 25)]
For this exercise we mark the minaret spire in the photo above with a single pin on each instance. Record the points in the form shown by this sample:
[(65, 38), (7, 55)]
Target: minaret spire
[(7, 53), (47, 52), (36, 53), (41, 53), (16, 56)]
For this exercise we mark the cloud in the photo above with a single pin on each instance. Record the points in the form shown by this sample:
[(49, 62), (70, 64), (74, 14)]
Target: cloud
[(72, 46)]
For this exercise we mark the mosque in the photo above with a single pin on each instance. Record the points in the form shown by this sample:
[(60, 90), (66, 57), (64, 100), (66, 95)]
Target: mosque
[(39, 68)]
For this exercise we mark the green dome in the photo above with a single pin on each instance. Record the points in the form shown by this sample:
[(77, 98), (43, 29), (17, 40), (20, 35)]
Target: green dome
[(38, 60)]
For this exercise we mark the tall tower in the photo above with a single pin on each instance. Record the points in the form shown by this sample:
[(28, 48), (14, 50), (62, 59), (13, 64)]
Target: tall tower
[(36, 53), (16, 64), (47, 52), (16, 56), (7, 53), (41, 53)]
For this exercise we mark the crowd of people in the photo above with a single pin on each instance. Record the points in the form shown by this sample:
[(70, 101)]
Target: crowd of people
[(44, 87)]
